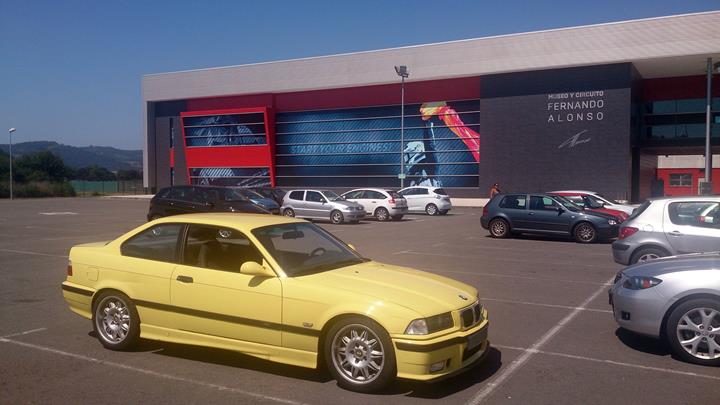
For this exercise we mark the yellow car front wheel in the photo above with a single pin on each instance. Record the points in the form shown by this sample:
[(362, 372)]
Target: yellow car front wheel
[(360, 355)]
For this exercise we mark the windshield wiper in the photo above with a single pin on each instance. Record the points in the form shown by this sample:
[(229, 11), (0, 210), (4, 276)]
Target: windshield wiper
[(333, 265)]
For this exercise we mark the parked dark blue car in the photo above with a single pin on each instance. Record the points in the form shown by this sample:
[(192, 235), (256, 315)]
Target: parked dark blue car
[(514, 213), (265, 202)]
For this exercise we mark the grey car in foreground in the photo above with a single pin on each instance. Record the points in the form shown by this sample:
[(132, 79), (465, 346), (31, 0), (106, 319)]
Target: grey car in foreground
[(669, 226), (321, 204), (676, 299)]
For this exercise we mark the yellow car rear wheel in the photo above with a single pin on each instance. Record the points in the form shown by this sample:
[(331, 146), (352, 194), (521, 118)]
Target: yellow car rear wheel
[(115, 320)]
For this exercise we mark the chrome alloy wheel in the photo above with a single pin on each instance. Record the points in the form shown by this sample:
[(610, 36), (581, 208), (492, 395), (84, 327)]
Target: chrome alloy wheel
[(112, 318), (585, 232), (357, 354), (647, 256), (698, 332), (498, 228)]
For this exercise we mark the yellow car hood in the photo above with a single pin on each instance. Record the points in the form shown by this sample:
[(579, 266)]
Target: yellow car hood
[(425, 293)]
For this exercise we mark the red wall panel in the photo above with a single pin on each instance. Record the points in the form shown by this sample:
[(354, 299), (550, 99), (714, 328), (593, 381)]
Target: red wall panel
[(415, 92), (664, 174), (675, 88)]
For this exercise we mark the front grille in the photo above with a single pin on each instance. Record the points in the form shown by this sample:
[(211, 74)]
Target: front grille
[(471, 316)]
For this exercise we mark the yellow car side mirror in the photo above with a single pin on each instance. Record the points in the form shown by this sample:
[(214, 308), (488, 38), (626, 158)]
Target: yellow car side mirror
[(256, 269)]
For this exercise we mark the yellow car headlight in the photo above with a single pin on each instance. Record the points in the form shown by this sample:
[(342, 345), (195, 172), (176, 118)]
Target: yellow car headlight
[(426, 326)]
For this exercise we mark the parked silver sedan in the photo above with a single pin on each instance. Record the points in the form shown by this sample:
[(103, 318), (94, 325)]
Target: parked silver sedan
[(676, 299), (321, 204)]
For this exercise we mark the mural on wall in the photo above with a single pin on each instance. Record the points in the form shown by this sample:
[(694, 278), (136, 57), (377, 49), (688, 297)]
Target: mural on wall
[(362, 146), (225, 130), (228, 176)]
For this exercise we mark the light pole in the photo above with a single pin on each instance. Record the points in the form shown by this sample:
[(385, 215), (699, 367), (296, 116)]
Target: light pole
[(403, 72), (10, 131)]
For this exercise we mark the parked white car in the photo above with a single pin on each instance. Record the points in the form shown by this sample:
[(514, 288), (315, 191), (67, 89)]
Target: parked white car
[(432, 200), (382, 204), (599, 199)]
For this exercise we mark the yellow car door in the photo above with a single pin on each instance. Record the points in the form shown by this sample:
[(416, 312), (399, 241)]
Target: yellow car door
[(212, 297)]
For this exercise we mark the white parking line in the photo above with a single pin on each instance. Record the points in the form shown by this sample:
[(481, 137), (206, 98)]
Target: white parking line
[(607, 311), (25, 252), (613, 362), (520, 361), (150, 372), (27, 332)]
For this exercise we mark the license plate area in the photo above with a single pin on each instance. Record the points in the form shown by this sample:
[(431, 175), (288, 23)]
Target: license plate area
[(477, 338)]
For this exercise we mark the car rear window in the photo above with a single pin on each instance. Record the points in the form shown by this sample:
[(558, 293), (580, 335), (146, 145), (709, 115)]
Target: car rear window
[(296, 195), (440, 191), (395, 194), (514, 201), (639, 210)]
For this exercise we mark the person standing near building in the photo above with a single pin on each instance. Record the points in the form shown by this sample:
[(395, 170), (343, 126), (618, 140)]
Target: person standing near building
[(495, 190)]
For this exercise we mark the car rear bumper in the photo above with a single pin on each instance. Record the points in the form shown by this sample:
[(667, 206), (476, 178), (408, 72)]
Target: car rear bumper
[(621, 252), (397, 211), (415, 358), (79, 298), (353, 215)]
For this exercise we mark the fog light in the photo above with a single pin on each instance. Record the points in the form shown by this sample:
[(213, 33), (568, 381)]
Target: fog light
[(437, 366)]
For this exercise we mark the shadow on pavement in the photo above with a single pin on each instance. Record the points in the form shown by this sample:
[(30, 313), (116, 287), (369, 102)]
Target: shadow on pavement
[(477, 374), (642, 343)]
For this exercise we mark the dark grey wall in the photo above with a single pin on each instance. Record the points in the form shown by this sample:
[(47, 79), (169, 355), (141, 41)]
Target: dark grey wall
[(558, 129), (164, 124)]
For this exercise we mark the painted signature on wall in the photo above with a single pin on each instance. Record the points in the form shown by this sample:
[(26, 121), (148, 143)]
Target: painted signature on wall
[(575, 140)]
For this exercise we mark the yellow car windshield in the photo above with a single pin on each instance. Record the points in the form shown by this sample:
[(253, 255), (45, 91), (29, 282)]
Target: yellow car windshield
[(304, 248)]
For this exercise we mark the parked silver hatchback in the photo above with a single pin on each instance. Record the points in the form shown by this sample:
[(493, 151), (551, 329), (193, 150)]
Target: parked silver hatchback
[(321, 204), (667, 227)]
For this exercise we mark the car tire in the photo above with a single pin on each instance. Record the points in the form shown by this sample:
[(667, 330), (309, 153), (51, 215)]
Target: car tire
[(397, 217), (688, 330), (359, 354), (115, 320), (289, 212), (382, 214), (499, 228), (431, 209), (444, 212), (336, 217), (648, 253), (585, 232)]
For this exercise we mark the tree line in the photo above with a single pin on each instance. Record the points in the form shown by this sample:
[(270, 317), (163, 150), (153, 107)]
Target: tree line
[(45, 174)]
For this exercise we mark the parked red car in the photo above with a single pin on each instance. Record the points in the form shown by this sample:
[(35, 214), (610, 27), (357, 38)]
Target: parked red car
[(589, 204)]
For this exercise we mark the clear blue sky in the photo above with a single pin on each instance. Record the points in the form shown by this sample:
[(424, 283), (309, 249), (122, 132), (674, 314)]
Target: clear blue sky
[(70, 71)]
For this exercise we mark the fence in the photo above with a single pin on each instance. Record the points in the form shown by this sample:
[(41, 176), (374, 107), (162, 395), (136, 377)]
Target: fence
[(86, 187)]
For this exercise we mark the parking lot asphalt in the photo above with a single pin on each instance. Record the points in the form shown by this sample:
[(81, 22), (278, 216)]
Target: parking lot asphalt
[(553, 337)]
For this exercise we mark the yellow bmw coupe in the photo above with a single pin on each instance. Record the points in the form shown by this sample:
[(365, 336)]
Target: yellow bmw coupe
[(277, 288)]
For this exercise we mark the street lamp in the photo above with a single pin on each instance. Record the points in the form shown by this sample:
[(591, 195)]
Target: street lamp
[(10, 131), (403, 72)]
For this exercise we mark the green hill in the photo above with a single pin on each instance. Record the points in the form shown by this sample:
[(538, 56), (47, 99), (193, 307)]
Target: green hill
[(104, 156)]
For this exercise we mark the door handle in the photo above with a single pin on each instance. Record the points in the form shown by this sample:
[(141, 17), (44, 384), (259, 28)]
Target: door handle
[(531, 213), (676, 233), (184, 279)]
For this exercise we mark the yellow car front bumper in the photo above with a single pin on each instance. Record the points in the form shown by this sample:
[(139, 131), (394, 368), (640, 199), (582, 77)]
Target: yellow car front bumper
[(431, 359)]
